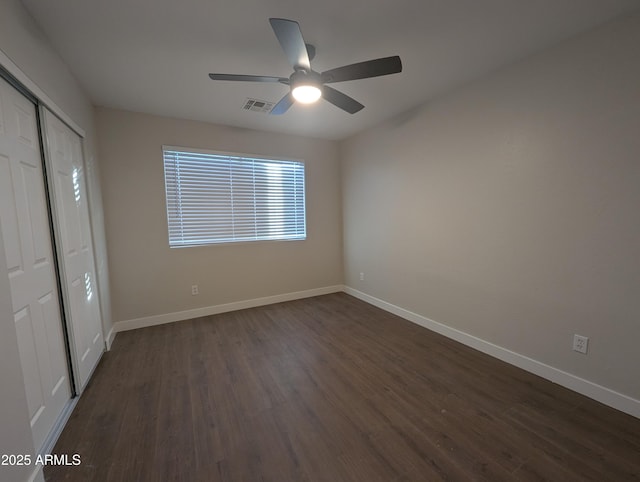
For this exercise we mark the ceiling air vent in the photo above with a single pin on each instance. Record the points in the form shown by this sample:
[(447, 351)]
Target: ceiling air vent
[(255, 105)]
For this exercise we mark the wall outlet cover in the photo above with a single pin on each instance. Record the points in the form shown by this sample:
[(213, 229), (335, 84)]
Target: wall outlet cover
[(580, 343)]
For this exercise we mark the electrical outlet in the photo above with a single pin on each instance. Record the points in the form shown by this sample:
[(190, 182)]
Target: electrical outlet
[(361, 276), (194, 290), (580, 343)]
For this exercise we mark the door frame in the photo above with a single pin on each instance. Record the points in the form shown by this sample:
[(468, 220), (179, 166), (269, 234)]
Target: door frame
[(25, 84), (21, 82), (63, 416), (16, 84), (53, 217)]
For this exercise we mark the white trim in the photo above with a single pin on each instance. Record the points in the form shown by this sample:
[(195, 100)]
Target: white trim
[(224, 308), (32, 87), (592, 390), (58, 427), (199, 150), (110, 337)]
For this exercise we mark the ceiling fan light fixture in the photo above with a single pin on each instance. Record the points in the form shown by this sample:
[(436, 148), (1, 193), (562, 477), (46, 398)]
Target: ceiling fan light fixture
[(306, 93), (305, 84)]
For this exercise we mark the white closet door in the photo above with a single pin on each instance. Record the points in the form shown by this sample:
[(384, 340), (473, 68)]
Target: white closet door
[(27, 239), (67, 173)]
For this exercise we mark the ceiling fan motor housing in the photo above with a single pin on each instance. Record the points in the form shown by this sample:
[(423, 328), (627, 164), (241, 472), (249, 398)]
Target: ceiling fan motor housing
[(302, 77)]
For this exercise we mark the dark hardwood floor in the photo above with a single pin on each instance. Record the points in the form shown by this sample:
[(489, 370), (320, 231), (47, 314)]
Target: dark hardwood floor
[(330, 389)]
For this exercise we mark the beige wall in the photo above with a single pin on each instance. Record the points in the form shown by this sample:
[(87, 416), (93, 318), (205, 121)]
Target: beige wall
[(148, 278), (510, 209)]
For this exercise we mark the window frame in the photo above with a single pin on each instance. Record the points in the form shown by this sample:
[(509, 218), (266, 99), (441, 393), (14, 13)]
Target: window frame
[(233, 156)]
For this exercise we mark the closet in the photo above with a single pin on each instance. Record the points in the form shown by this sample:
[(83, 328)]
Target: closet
[(48, 248)]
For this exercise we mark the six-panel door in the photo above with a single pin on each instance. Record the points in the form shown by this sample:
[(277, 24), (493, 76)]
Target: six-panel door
[(74, 244), (29, 254)]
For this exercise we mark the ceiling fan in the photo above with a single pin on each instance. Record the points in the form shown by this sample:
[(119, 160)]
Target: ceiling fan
[(305, 84)]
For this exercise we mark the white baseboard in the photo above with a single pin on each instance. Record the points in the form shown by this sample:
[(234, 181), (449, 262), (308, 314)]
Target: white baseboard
[(213, 310), (110, 337), (58, 427), (592, 390)]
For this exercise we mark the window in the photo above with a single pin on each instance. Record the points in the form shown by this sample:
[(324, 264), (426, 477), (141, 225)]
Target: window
[(215, 197)]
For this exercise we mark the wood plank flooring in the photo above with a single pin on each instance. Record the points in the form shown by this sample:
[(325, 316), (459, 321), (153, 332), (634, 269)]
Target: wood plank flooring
[(330, 389)]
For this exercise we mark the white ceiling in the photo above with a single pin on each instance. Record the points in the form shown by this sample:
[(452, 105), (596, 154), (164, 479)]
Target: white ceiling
[(154, 55)]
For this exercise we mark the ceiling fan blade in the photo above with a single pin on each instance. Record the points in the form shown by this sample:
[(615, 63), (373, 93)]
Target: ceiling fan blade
[(341, 100), (248, 78), (291, 40), (364, 70), (284, 104)]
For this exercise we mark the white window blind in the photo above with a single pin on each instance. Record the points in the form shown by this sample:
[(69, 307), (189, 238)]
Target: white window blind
[(221, 198)]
